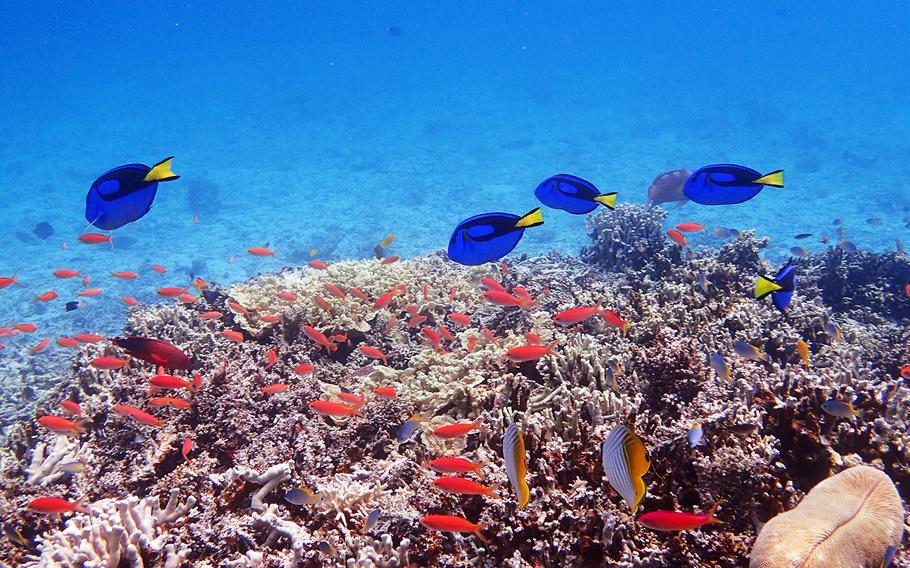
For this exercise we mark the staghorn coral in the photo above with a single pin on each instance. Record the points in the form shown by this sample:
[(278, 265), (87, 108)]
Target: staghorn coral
[(46, 462), (846, 520)]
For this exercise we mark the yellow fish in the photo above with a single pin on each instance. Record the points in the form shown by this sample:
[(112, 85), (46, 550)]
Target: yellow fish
[(513, 451), (313, 253), (387, 241), (625, 462), (803, 348)]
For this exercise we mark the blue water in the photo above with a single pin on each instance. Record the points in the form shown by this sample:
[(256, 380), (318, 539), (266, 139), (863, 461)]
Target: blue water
[(312, 126)]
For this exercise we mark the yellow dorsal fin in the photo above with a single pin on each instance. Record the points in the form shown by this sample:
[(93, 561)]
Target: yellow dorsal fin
[(530, 219), (607, 199), (764, 286), (774, 179), (161, 171)]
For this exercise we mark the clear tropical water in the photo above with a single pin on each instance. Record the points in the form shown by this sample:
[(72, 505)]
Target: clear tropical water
[(328, 125)]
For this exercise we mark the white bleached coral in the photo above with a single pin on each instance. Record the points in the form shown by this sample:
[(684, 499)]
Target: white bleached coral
[(46, 462), (115, 531)]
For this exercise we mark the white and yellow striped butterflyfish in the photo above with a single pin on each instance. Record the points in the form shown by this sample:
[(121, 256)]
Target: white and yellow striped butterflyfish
[(625, 462), (513, 451)]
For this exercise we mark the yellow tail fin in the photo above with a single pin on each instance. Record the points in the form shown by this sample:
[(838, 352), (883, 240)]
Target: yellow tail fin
[(764, 286), (161, 171), (607, 199), (530, 219), (774, 179)]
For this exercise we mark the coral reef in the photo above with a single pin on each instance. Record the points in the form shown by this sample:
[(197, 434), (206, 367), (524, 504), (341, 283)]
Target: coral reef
[(767, 441)]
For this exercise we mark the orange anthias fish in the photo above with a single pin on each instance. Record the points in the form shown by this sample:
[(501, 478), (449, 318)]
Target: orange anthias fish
[(186, 448), (61, 425), (90, 292), (68, 342), (374, 353), (271, 318), (144, 417), (54, 506), (159, 269), (170, 292), (458, 430), (322, 303), (304, 368), (129, 300), (70, 406), (125, 275), (318, 264), (504, 299), (387, 393), (214, 314), (232, 335), (170, 382), (576, 315), (319, 338), (238, 308), (25, 327), (450, 523), (287, 296), (674, 521), (41, 346), (47, 296), (491, 284), (905, 372), (359, 293), (354, 399), (678, 238), (199, 284), (174, 402), (94, 238), (260, 251), (107, 363), (460, 318), (330, 408), (8, 281), (125, 409), (187, 298), (66, 273), (463, 486), (613, 319), (690, 227), (529, 352), (390, 259), (455, 465), (88, 338), (274, 388)]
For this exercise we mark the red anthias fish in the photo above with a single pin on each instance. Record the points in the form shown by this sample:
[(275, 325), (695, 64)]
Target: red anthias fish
[(675, 521), (154, 351)]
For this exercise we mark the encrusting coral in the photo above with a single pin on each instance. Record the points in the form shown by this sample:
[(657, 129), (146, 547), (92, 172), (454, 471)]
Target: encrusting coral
[(766, 440)]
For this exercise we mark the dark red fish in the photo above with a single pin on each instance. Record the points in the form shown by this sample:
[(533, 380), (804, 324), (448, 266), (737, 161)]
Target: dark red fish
[(668, 187), (154, 351)]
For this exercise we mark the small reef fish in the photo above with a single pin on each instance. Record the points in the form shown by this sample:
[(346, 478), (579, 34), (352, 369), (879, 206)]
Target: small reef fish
[(61, 425), (330, 408), (455, 465), (387, 393), (576, 315), (833, 331), (459, 318), (318, 265), (371, 520), (125, 194), (170, 382), (319, 338), (846, 246), (260, 251), (354, 399), (287, 296), (94, 239), (803, 349), (187, 298), (25, 328), (67, 342), (274, 388), (300, 496), (491, 284), (359, 293), (107, 363), (690, 227), (173, 402), (696, 436), (625, 462), (451, 523), (668, 187), (71, 466), (905, 371), (406, 430), (335, 290), (270, 318), (573, 194), (489, 237), (88, 338), (232, 335), (390, 259), (801, 252), (66, 273), (129, 300), (186, 448), (678, 238), (387, 241), (676, 521), (802, 236), (41, 346), (513, 452), (304, 368), (728, 184), (90, 292), (749, 351), (463, 486), (613, 319), (47, 296), (55, 506), (144, 417), (505, 299), (155, 351), (374, 353), (125, 275), (210, 315), (840, 408), (457, 430), (724, 232), (780, 288), (71, 406), (236, 307), (159, 268), (525, 353)]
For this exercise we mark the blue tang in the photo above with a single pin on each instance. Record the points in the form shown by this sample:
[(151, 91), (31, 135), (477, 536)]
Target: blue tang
[(573, 194), (728, 184), (124, 194), (780, 287), (490, 236)]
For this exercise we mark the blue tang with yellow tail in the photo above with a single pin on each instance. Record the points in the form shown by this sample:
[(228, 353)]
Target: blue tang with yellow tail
[(124, 194), (573, 194), (728, 184), (490, 236), (780, 287)]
